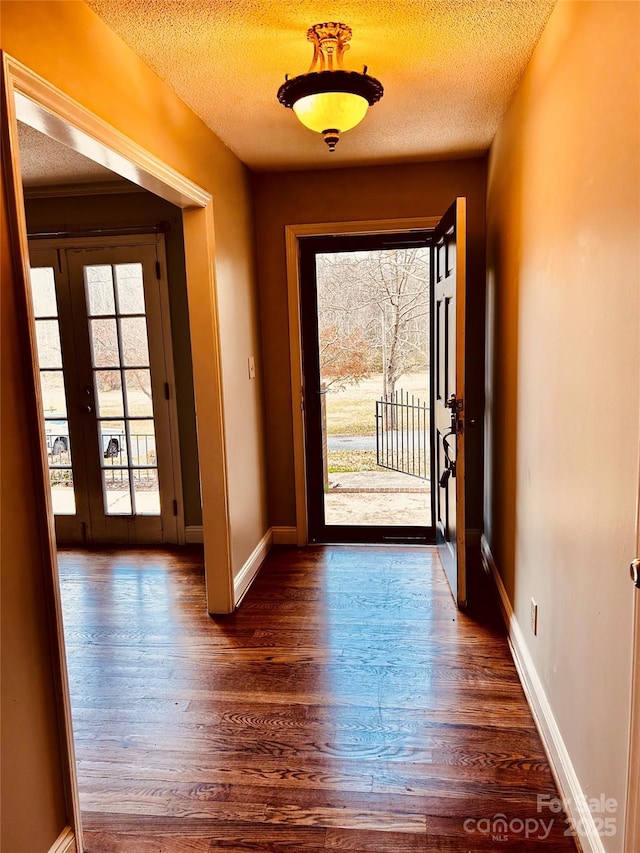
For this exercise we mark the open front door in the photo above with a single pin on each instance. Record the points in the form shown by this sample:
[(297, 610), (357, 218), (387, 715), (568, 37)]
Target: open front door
[(449, 272)]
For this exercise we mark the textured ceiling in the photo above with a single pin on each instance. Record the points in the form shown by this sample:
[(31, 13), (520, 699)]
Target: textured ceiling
[(449, 68), (45, 162)]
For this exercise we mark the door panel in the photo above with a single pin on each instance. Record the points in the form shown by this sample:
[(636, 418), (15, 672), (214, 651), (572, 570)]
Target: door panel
[(115, 381), (449, 296)]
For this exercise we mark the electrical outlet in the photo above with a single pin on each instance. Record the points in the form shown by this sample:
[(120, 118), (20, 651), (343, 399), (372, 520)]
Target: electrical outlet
[(534, 618)]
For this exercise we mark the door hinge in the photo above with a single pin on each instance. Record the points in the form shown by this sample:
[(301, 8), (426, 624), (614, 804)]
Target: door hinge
[(158, 271), (167, 392), (175, 507)]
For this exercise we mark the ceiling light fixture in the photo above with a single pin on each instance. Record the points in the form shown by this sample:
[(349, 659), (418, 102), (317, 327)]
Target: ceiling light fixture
[(327, 98)]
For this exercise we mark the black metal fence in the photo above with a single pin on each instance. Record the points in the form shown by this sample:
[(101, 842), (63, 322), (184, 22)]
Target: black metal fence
[(114, 452), (402, 434)]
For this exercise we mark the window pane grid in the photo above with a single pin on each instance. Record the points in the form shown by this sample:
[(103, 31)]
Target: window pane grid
[(52, 389), (105, 352), (113, 367), (129, 473), (43, 293), (99, 289), (111, 316), (130, 289), (48, 343), (128, 417), (132, 335), (127, 467)]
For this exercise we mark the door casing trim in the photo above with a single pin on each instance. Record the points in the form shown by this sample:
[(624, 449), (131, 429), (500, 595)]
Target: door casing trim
[(293, 233), (50, 111), (632, 810)]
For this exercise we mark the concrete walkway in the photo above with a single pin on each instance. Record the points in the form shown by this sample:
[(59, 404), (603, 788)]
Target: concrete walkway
[(377, 497), (388, 508), (376, 481)]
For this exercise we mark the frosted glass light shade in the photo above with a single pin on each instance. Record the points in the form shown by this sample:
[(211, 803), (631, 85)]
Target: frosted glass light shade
[(328, 99), (331, 111)]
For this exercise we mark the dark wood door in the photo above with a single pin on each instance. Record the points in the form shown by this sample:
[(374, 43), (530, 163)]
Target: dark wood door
[(449, 271)]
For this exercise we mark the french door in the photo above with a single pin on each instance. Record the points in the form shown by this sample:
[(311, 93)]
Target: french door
[(101, 322)]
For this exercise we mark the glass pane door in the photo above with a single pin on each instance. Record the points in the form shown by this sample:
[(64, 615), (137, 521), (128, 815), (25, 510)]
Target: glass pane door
[(123, 381), (101, 323), (122, 388), (52, 387)]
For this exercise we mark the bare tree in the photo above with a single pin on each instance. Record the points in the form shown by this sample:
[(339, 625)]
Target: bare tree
[(376, 303)]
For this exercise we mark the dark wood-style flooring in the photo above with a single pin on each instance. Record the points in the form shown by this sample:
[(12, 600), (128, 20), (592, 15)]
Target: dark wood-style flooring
[(346, 706)]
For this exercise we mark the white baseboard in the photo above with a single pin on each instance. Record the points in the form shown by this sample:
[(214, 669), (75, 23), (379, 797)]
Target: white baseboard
[(193, 534), (242, 581), (285, 535), (281, 535), (566, 778), (65, 842)]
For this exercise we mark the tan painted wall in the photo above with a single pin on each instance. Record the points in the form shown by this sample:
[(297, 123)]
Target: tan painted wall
[(74, 50), (143, 208), (33, 807), (71, 48), (563, 291), (384, 192)]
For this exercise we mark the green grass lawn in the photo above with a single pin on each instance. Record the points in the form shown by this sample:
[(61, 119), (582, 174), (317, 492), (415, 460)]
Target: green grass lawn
[(343, 461), (347, 461), (352, 410)]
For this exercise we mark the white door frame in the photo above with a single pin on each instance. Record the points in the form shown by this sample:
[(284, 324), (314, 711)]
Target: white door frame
[(35, 101), (632, 812), (293, 233)]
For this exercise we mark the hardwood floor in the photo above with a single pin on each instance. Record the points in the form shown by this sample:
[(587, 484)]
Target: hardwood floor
[(345, 706)]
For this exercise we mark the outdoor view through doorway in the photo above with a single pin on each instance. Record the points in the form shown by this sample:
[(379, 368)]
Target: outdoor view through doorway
[(370, 432)]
